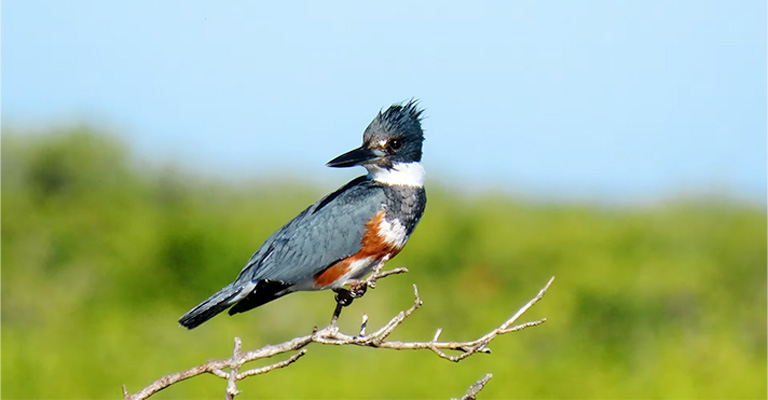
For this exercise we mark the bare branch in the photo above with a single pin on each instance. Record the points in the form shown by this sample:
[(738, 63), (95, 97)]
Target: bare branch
[(268, 368), (363, 325), (399, 270), (233, 368), (476, 388), (437, 334), (330, 335)]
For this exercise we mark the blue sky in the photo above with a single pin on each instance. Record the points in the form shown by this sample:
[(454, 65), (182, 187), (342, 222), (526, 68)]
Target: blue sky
[(599, 100)]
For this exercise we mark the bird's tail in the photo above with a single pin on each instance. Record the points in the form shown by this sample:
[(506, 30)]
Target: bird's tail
[(215, 304)]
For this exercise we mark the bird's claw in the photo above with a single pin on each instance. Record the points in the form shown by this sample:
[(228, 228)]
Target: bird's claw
[(344, 297), (358, 289)]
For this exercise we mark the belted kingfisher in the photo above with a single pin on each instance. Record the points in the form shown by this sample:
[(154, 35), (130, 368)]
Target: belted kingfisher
[(346, 234)]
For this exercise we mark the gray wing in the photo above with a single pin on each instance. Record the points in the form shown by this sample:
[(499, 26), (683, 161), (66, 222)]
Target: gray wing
[(326, 232)]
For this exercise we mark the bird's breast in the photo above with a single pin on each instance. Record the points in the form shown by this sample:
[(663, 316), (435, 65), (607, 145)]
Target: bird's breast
[(383, 239)]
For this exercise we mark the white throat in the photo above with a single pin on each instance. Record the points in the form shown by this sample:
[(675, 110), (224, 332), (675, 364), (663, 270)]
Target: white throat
[(407, 174)]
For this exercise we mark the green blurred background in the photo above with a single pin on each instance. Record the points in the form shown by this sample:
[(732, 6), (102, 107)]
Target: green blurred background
[(101, 254)]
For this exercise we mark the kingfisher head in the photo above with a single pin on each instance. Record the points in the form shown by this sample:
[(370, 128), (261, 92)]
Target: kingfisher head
[(391, 150)]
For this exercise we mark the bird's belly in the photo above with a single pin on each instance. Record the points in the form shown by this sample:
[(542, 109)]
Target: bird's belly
[(347, 269)]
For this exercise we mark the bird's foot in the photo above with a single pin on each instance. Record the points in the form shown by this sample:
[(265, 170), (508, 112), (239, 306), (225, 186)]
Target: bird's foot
[(358, 288), (344, 297)]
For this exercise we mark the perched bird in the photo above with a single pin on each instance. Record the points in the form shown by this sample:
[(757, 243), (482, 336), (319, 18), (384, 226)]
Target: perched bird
[(346, 234)]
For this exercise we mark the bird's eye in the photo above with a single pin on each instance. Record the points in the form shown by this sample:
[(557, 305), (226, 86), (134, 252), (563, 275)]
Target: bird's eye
[(394, 144)]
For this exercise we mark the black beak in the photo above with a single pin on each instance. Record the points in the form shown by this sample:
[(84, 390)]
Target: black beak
[(358, 156)]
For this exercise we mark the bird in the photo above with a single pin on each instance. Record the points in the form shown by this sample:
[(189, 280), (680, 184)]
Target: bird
[(345, 235)]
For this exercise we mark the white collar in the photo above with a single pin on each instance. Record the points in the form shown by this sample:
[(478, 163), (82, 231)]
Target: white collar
[(407, 174)]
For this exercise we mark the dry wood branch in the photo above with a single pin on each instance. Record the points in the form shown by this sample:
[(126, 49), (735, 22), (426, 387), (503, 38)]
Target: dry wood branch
[(264, 370), (477, 387), (330, 335), (234, 367)]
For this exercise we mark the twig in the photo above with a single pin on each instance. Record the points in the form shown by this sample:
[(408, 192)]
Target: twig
[(476, 388), (330, 335), (233, 368), (399, 270), (268, 368), (363, 325)]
